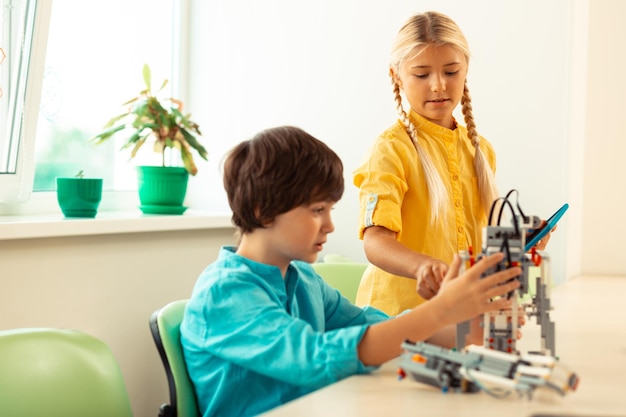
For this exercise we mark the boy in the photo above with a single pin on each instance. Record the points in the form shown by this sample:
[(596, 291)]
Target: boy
[(261, 327)]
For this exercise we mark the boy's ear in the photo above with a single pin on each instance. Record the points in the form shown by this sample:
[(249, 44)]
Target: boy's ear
[(257, 215)]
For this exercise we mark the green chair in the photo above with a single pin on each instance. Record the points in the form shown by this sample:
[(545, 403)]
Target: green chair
[(59, 373), (165, 328), (345, 276)]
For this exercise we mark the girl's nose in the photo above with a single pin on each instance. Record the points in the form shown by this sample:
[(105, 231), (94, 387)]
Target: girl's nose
[(438, 84)]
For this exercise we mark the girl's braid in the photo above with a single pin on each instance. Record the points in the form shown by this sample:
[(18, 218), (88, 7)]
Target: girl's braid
[(437, 193), (484, 173), (466, 105)]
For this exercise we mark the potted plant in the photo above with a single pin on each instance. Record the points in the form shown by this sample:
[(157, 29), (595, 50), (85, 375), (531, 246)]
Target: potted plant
[(79, 196), (162, 188)]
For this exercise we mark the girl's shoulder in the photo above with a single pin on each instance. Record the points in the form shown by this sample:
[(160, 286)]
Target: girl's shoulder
[(396, 132), (394, 137)]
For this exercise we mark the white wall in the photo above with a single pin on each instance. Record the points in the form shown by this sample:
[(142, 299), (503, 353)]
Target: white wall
[(604, 171), (323, 66), (107, 286)]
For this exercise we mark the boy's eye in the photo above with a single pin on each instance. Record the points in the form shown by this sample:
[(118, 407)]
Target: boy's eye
[(321, 206)]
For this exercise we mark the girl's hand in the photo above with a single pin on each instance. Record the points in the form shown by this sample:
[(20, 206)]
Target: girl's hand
[(476, 333), (429, 277), (543, 242)]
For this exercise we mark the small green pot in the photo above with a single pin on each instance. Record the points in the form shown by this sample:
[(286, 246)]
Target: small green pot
[(162, 190), (79, 197)]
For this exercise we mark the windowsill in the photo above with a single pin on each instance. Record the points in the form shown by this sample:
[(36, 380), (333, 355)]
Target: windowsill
[(107, 222)]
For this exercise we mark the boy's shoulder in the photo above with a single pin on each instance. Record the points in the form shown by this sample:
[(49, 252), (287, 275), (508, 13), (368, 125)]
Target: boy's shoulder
[(231, 266), (303, 266)]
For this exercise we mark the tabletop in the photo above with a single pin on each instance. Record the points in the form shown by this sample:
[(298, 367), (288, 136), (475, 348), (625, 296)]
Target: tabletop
[(590, 322)]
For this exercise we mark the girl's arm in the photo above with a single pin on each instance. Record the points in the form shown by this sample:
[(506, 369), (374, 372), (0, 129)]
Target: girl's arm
[(460, 298), (383, 250)]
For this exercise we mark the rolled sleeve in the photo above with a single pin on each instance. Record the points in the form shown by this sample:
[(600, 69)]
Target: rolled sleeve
[(382, 185)]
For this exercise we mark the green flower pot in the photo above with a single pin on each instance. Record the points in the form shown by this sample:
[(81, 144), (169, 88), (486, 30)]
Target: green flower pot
[(162, 190), (79, 197)]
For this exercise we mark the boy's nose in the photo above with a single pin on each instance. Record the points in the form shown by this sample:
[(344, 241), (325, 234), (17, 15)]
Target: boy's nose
[(328, 226)]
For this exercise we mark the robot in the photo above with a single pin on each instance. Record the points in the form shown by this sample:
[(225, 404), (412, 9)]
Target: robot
[(500, 328), (477, 368), (497, 367)]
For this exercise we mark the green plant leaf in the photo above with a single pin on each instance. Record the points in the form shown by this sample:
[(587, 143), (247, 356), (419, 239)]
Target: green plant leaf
[(147, 117), (193, 142), (132, 100), (188, 161), (138, 145), (147, 77), (101, 137), (163, 85), (131, 140), (115, 120)]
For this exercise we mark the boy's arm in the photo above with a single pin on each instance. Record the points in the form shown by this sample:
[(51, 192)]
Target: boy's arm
[(460, 298), (260, 336)]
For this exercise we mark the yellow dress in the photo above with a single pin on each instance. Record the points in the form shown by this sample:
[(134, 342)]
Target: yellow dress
[(393, 194)]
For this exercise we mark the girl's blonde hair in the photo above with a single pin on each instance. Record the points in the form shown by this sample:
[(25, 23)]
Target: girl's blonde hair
[(433, 28)]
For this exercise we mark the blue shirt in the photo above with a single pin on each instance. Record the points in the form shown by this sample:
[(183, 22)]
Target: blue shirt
[(253, 340)]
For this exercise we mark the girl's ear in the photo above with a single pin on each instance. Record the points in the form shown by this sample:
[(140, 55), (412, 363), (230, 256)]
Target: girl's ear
[(395, 77)]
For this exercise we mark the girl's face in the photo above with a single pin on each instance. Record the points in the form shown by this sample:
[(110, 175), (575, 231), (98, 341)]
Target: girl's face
[(433, 82)]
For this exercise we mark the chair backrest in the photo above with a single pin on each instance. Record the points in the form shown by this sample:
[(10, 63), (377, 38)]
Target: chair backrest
[(59, 373), (344, 276), (165, 328)]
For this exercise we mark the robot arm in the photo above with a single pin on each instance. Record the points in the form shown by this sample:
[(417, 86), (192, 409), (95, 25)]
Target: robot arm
[(477, 368)]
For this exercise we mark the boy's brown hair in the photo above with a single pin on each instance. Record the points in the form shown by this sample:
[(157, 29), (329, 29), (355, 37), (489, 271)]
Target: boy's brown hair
[(277, 170)]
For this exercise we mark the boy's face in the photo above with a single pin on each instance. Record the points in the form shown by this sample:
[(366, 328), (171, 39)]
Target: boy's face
[(433, 82), (300, 233)]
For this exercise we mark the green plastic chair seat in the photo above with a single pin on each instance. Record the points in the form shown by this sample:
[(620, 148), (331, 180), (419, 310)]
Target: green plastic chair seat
[(59, 373), (343, 276), (165, 329)]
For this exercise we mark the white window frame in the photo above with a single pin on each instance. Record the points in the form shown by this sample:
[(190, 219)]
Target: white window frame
[(23, 110), (26, 202)]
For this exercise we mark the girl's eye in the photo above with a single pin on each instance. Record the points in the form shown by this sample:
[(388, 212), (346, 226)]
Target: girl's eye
[(422, 76), (450, 73)]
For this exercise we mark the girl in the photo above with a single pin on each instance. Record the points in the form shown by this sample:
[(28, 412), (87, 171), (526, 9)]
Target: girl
[(428, 183)]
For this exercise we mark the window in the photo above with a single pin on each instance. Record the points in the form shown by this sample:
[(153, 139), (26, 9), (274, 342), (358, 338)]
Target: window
[(22, 43), (96, 51), (93, 63)]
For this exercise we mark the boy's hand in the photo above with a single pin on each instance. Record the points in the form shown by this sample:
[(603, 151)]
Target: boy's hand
[(469, 295), (429, 277)]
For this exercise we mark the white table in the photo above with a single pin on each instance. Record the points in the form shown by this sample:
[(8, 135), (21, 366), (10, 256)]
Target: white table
[(590, 318)]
